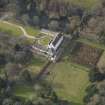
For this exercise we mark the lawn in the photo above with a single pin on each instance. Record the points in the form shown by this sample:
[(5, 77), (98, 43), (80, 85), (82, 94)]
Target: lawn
[(2, 72), (15, 30), (31, 30), (36, 65), (45, 41), (85, 3), (24, 91), (10, 29), (70, 81)]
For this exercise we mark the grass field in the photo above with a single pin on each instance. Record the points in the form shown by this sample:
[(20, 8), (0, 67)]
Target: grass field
[(13, 30), (16, 31), (85, 3), (24, 91), (70, 81), (45, 41), (32, 31)]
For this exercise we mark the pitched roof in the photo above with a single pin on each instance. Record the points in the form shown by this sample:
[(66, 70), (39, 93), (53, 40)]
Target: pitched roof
[(57, 39)]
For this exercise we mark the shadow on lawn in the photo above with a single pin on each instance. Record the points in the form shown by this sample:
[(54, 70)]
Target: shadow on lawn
[(73, 103)]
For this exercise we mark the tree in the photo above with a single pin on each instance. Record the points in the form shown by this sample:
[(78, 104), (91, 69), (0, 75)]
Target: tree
[(53, 25), (13, 70), (7, 101), (2, 60), (101, 88), (3, 3), (95, 75), (36, 20), (25, 76), (102, 37), (25, 18)]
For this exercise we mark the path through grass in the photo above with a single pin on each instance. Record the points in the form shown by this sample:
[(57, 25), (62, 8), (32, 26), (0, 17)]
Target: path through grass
[(9, 29)]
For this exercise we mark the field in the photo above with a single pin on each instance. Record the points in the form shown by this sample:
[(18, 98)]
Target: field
[(85, 3), (9, 29), (70, 81), (86, 55), (16, 31), (24, 91), (36, 65), (31, 30)]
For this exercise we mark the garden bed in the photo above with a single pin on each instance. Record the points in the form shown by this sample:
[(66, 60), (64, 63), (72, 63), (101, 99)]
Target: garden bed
[(86, 55)]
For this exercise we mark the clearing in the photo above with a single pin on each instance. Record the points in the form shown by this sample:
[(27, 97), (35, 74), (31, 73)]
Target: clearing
[(10, 29)]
